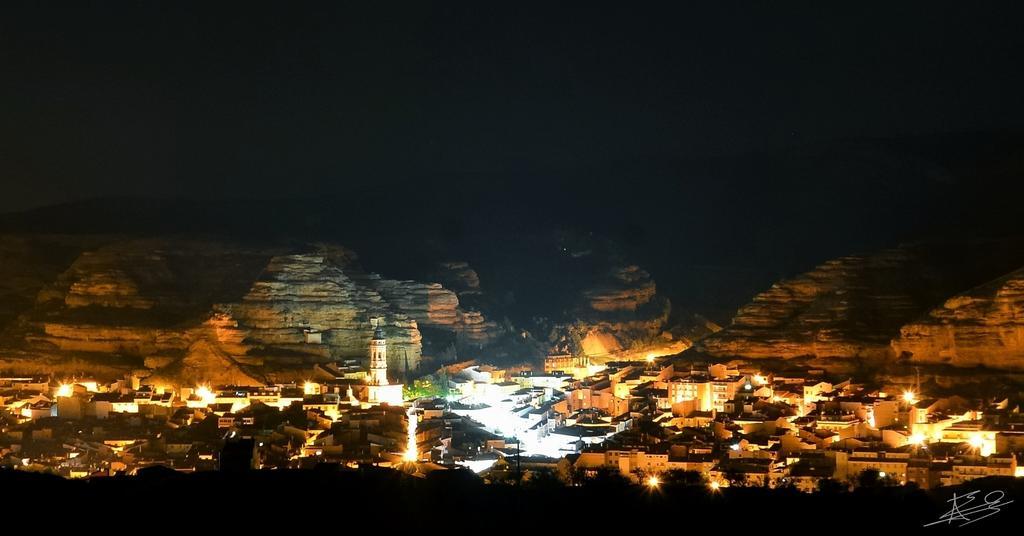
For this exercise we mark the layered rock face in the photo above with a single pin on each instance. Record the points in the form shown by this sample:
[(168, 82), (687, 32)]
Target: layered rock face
[(626, 300), (845, 307), (206, 362), (627, 289), (431, 305), (984, 326), (181, 308), (111, 339), (30, 262), (138, 297), (460, 277), (297, 293), (94, 281), (622, 311), (853, 306)]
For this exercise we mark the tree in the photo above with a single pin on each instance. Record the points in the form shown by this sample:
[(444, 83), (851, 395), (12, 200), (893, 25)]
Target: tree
[(679, 477), (873, 478), (830, 486), (427, 386), (542, 479), (605, 477), (735, 476)]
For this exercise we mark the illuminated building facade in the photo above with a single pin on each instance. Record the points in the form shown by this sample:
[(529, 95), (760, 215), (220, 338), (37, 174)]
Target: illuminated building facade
[(378, 390)]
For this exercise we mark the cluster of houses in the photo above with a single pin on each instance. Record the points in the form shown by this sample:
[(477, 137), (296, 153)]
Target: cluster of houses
[(722, 424), (737, 426)]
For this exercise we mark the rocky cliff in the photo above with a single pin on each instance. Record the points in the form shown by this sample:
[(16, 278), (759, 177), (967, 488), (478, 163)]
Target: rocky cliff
[(30, 262), (620, 313), (460, 277), (305, 307), (627, 288), (854, 306), (186, 307), (137, 298), (432, 305), (983, 326)]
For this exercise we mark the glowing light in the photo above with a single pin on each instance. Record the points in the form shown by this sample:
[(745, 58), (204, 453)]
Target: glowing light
[(978, 442), (714, 485), (650, 359), (653, 481), (310, 388), (352, 400), (411, 452), (205, 394), (881, 474), (917, 439), (65, 390), (910, 397), (477, 466), (759, 379), (735, 446)]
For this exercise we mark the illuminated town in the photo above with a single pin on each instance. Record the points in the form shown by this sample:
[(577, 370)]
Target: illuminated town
[(446, 267), (649, 420)]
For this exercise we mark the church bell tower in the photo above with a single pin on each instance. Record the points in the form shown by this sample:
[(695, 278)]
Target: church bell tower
[(378, 356)]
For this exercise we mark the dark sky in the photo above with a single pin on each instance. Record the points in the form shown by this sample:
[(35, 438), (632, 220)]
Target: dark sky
[(209, 99), (720, 145)]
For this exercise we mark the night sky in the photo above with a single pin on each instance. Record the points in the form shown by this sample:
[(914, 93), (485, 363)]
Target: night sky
[(724, 129)]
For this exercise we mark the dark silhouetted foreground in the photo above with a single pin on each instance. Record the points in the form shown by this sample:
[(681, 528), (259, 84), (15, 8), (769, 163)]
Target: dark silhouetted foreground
[(458, 499)]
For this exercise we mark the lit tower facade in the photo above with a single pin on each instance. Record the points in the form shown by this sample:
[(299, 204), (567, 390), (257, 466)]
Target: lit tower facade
[(378, 357), (379, 391)]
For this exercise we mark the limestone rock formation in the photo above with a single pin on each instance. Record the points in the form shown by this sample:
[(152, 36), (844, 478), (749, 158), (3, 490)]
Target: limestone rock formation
[(30, 262), (627, 289), (138, 297), (110, 339), (983, 326), (309, 292), (429, 303), (855, 305), (432, 305), (460, 277), (621, 312), (475, 328), (172, 304), (137, 279), (204, 363)]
